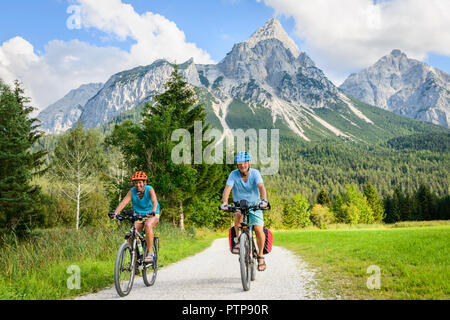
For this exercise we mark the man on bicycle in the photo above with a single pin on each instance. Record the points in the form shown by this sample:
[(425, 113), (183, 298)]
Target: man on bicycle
[(144, 201), (247, 184)]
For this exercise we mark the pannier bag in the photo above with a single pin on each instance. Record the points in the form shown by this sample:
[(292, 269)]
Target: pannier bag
[(269, 241), (267, 244)]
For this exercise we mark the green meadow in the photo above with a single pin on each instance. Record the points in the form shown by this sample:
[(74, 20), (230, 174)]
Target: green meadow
[(413, 260), (37, 268)]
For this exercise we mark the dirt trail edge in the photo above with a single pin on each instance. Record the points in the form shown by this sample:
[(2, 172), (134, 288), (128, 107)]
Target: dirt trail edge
[(214, 274)]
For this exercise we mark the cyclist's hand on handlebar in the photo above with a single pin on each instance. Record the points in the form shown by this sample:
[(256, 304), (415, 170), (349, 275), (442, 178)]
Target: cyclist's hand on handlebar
[(263, 204), (112, 215), (224, 206)]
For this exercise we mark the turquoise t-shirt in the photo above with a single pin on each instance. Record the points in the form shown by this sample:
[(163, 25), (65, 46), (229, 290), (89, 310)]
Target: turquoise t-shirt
[(245, 190), (143, 205)]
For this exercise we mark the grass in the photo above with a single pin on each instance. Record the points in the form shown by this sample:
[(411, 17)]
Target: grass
[(414, 261), (37, 268)]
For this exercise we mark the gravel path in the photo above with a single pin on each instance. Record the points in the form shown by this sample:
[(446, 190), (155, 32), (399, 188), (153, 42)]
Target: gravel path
[(214, 274)]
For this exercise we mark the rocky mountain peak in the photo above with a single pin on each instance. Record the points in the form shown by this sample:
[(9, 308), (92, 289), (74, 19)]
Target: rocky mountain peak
[(273, 30), (404, 86), (61, 115), (397, 53)]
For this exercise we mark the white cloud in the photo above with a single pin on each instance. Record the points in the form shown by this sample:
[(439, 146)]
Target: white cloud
[(348, 35), (63, 66), (156, 37), (66, 65)]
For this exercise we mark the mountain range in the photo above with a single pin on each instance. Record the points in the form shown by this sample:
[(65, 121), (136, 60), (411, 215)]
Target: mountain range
[(64, 113), (267, 82), (404, 86)]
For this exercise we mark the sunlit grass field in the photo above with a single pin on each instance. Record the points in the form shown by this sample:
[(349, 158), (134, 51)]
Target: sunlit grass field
[(37, 268), (414, 261)]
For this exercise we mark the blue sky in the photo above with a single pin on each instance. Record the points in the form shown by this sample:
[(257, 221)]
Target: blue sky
[(340, 36), (214, 25)]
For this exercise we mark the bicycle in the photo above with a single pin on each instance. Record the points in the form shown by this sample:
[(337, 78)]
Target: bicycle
[(248, 251), (131, 254)]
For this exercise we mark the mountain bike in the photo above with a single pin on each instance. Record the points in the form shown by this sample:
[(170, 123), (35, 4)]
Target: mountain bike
[(248, 252), (131, 254)]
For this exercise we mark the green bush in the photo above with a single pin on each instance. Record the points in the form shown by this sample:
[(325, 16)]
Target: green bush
[(295, 213), (321, 216), (204, 212), (351, 213), (353, 207)]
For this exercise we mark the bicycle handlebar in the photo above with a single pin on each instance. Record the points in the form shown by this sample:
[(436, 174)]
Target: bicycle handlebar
[(234, 208), (130, 215)]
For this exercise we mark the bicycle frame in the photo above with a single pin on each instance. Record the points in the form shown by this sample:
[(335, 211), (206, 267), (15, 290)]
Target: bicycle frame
[(134, 235)]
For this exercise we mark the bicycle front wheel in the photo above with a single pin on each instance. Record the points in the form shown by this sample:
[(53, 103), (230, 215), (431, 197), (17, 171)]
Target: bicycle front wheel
[(124, 269), (244, 259), (150, 271), (253, 262)]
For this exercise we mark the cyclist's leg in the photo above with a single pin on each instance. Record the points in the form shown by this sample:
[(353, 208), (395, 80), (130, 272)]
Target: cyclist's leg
[(238, 218), (260, 239), (149, 225), (257, 220), (139, 226)]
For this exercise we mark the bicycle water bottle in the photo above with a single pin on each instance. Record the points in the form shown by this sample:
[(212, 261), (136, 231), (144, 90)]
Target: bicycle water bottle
[(140, 248)]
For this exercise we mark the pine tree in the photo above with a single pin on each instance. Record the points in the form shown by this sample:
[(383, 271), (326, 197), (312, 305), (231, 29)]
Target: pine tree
[(337, 208), (353, 196), (18, 164), (323, 198), (424, 202), (295, 213), (397, 198), (375, 202), (148, 146)]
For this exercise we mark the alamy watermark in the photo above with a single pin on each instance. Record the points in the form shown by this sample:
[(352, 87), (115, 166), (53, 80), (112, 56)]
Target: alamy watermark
[(374, 281), (74, 20), (252, 140), (74, 281)]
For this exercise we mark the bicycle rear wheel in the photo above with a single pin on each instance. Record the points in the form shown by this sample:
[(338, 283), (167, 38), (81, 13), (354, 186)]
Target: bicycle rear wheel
[(150, 271), (244, 259), (124, 269)]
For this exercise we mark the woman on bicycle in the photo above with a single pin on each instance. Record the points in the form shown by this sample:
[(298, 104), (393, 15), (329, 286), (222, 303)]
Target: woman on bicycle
[(247, 184), (144, 201)]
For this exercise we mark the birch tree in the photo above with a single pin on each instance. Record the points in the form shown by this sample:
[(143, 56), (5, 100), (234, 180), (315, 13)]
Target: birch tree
[(77, 164), (117, 176)]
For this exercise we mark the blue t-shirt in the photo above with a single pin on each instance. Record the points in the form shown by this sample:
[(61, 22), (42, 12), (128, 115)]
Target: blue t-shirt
[(143, 205), (245, 190)]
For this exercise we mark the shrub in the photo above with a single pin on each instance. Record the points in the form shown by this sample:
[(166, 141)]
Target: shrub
[(351, 213), (321, 216), (295, 213)]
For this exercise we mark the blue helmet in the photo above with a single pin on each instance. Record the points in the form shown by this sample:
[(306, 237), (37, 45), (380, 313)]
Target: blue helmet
[(243, 156)]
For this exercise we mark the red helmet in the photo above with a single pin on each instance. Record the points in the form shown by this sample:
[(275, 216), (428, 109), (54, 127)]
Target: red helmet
[(140, 175)]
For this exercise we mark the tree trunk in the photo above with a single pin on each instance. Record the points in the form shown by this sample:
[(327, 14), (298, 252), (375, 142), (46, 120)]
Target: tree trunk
[(78, 205), (181, 216)]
